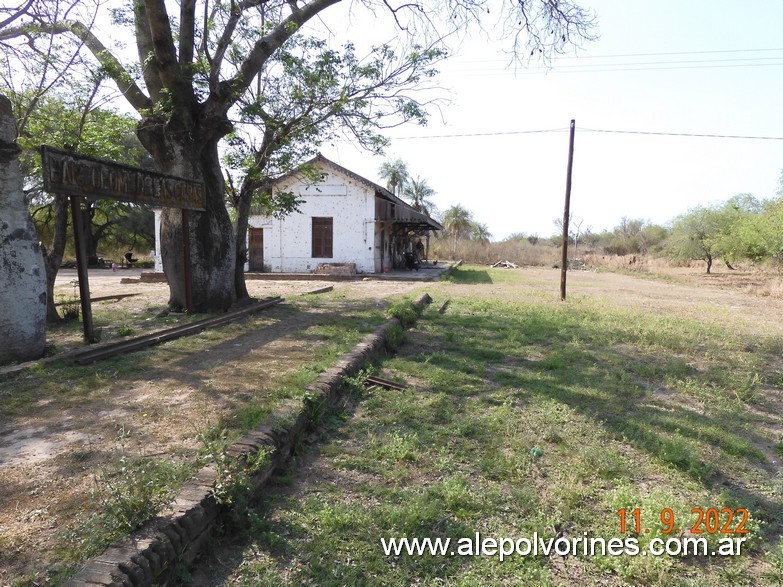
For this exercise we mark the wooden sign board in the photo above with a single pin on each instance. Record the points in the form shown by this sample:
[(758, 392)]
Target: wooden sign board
[(81, 176), (69, 173)]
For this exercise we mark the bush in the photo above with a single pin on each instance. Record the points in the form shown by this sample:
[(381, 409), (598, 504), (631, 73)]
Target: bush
[(406, 312), (395, 337)]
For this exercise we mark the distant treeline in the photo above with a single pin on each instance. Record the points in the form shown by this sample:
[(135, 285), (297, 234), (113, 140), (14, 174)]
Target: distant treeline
[(743, 228)]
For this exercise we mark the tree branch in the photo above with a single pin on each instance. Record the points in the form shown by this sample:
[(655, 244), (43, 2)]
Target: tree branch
[(236, 11), (17, 13), (265, 48), (394, 12), (163, 43), (147, 58), (187, 32), (113, 67)]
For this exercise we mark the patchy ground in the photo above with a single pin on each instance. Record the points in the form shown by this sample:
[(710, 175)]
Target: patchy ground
[(623, 408), (53, 445)]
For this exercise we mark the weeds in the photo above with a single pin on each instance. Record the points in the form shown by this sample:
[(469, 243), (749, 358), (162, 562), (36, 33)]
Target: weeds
[(136, 489), (234, 475), (406, 312), (538, 417), (395, 336), (125, 330)]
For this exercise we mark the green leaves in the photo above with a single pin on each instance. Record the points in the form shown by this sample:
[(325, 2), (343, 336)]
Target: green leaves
[(310, 94), (742, 228)]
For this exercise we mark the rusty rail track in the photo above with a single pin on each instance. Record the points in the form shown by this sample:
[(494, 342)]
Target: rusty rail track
[(92, 355), (373, 381), (103, 298)]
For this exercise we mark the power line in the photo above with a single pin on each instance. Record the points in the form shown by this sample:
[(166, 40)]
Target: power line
[(483, 134), (596, 130), (573, 65), (681, 134), (670, 53), (622, 55), (683, 62), (619, 67)]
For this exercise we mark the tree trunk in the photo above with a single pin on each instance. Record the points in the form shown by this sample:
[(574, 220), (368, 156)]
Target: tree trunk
[(211, 236), (90, 242), (243, 218), (53, 258), (709, 263), (22, 279)]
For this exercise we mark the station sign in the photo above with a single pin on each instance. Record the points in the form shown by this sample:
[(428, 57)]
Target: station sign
[(70, 173)]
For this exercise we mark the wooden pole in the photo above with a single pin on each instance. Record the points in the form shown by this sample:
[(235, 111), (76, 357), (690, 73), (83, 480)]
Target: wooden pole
[(81, 269), (567, 214)]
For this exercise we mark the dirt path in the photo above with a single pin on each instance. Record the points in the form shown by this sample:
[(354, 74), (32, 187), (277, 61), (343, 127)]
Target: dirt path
[(52, 449)]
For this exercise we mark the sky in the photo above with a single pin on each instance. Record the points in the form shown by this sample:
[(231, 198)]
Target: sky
[(669, 67)]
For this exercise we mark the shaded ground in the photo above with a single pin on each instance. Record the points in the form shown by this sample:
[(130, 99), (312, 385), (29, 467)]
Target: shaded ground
[(390, 452), (64, 433), (52, 448)]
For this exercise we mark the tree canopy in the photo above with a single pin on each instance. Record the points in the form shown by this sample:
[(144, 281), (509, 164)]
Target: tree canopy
[(192, 68), (419, 193), (73, 119), (395, 172), (743, 227)]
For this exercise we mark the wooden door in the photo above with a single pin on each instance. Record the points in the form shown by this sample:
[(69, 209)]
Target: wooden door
[(256, 249)]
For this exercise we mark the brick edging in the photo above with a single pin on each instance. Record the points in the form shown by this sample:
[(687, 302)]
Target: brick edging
[(174, 538)]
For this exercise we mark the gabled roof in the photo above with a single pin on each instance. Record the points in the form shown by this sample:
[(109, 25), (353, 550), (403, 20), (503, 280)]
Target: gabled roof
[(409, 214)]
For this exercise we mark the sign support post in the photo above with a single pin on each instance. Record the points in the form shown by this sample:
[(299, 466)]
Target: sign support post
[(76, 175), (81, 269)]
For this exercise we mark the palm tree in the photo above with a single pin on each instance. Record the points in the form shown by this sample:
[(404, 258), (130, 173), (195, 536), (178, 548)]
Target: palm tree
[(480, 232), (458, 221), (418, 194), (395, 172)]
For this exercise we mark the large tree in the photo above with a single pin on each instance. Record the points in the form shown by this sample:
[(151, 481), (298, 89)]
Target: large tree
[(458, 222), (196, 65), (311, 94), (74, 120)]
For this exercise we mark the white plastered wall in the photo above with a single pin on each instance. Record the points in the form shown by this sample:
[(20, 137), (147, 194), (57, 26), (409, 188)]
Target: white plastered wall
[(158, 257), (351, 205)]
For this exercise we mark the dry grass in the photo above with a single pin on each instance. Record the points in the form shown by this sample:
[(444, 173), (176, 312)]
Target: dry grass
[(64, 428)]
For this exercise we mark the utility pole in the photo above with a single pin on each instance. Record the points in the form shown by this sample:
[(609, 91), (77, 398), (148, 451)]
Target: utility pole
[(566, 214)]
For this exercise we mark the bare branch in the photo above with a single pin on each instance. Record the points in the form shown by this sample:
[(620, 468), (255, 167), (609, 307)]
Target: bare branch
[(394, 11), (17, 13), (113, 67), (146, 51)]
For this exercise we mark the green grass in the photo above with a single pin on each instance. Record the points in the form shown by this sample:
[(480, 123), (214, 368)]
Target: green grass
[(529, 415), (131, 487)]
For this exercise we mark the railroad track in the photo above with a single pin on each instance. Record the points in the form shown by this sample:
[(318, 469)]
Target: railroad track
[(102, 298), (92, 355)]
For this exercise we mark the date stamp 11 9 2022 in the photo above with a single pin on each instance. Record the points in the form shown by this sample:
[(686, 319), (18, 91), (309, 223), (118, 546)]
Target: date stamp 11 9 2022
[(709, 521)]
